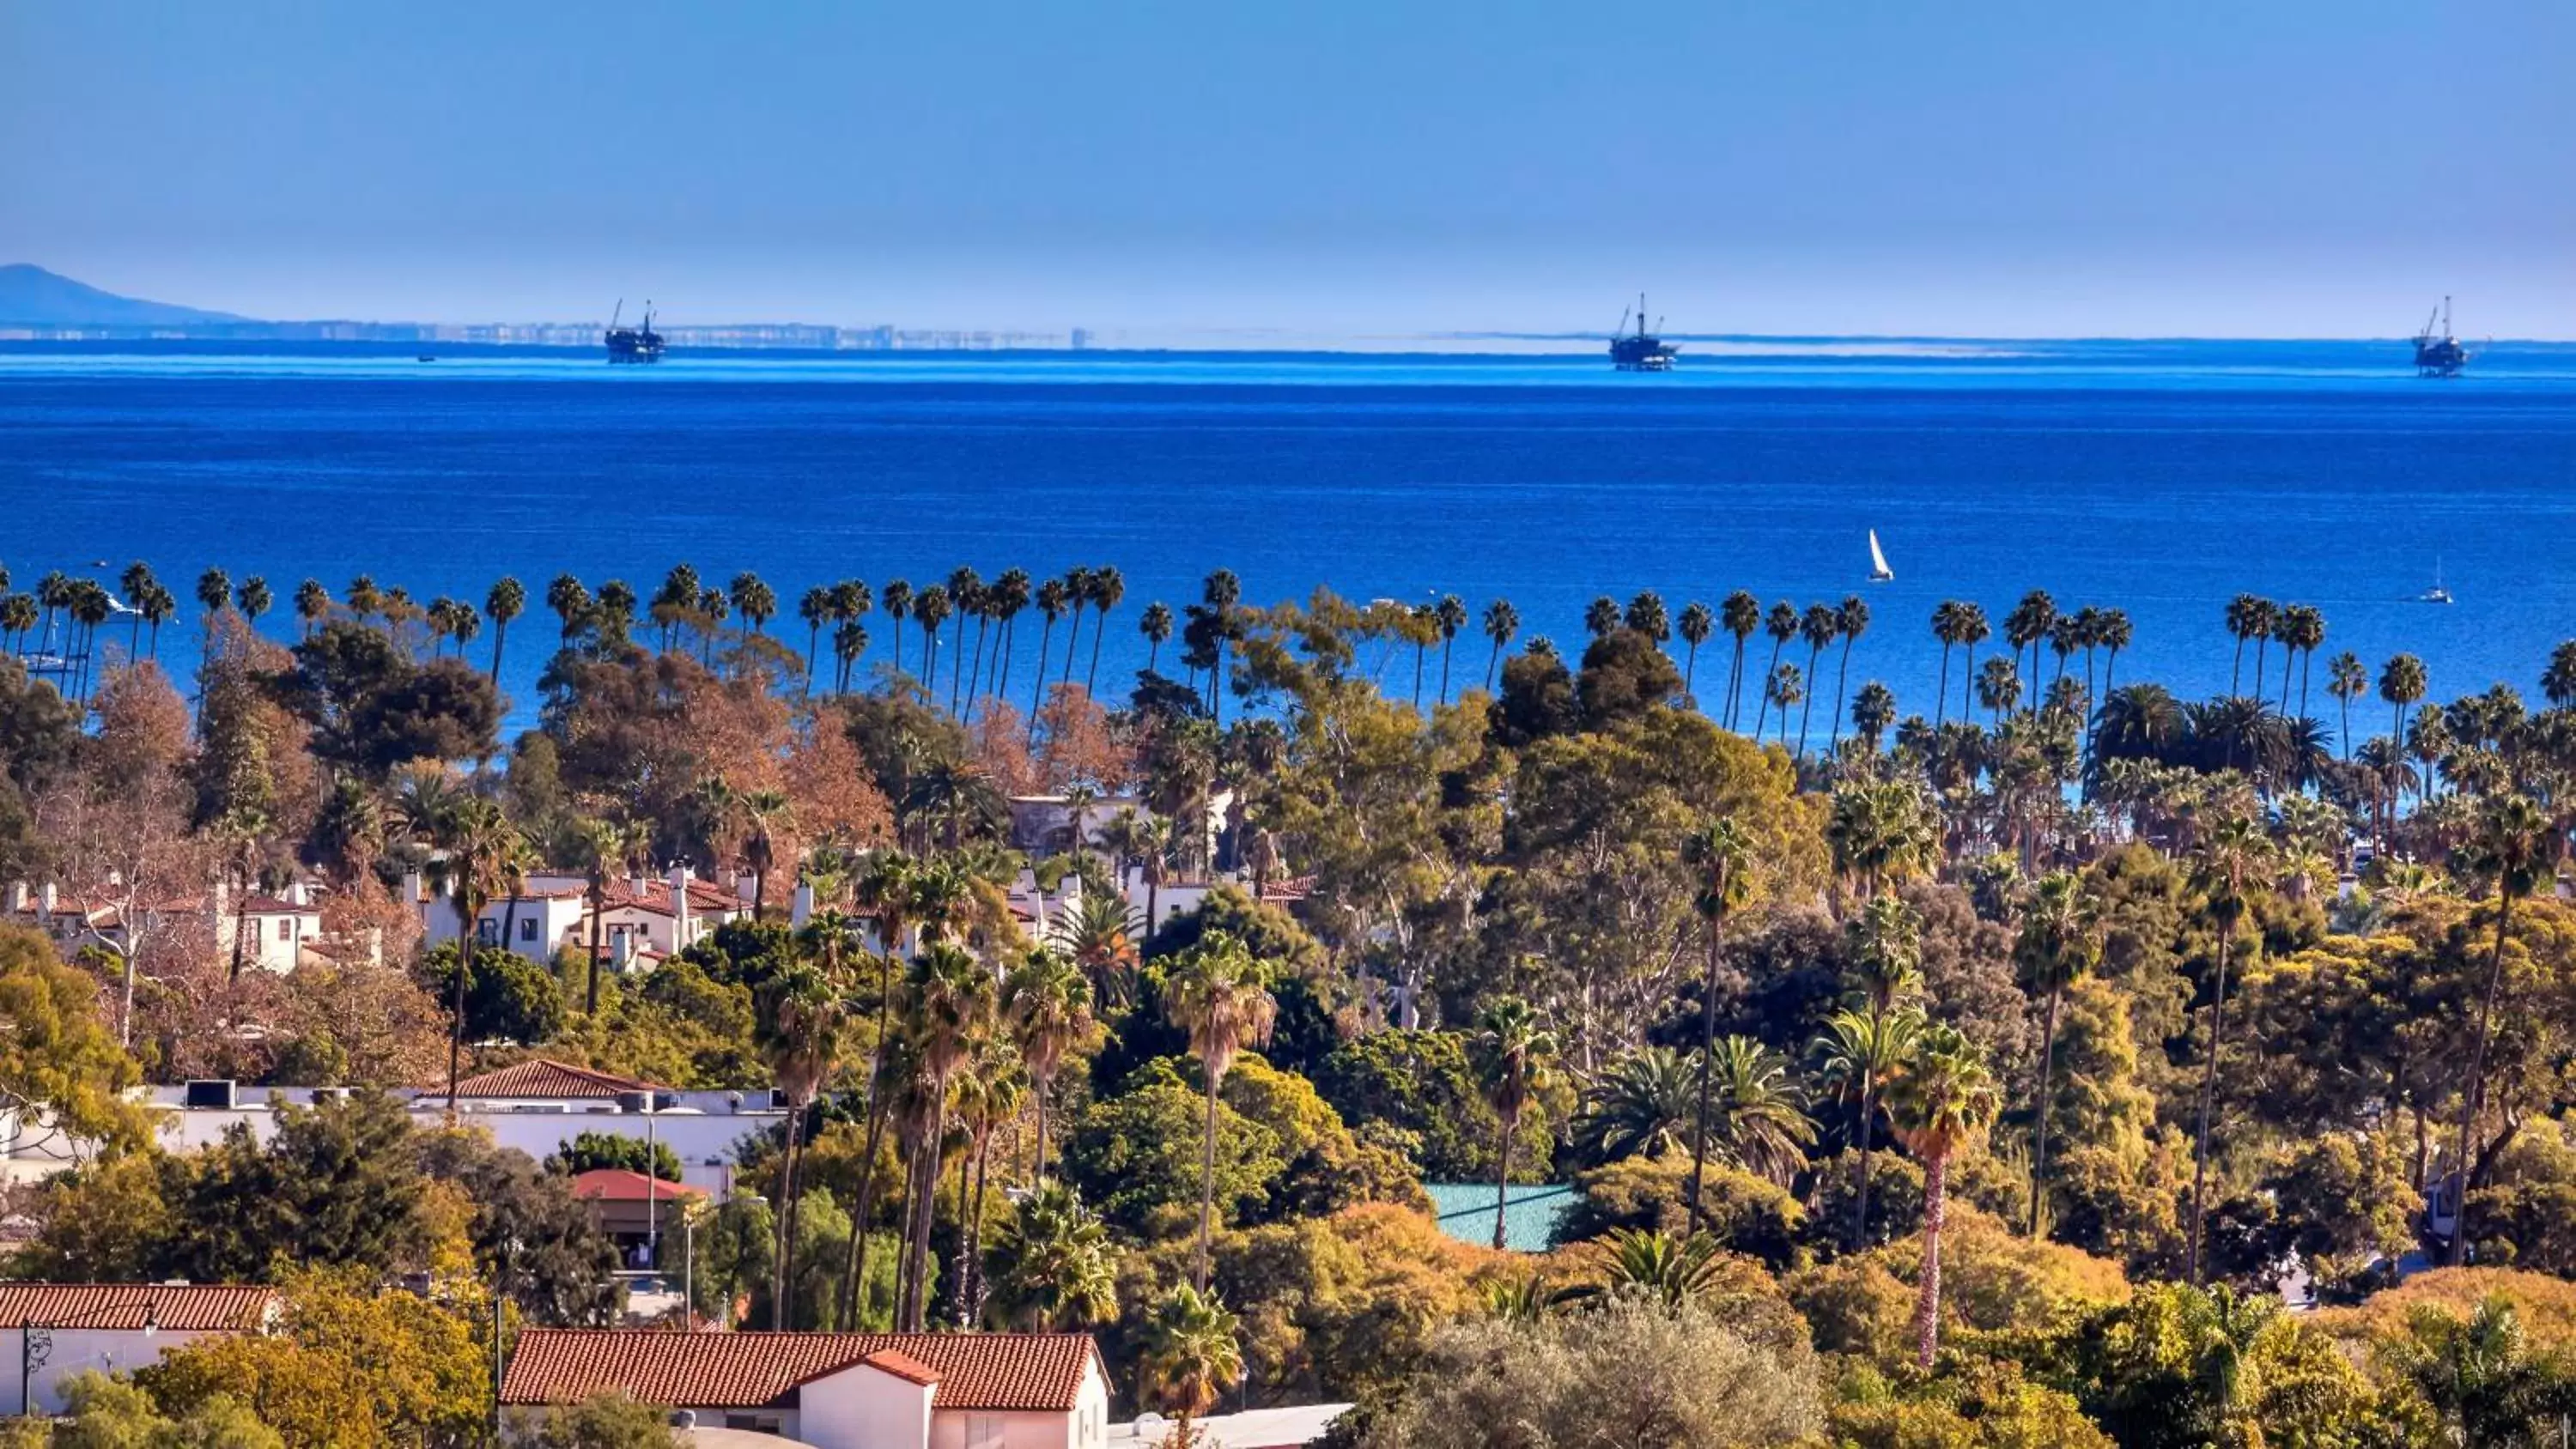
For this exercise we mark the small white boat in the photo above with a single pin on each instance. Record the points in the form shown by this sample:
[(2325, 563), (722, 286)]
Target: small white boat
[(2436, 594), (1879, 572)]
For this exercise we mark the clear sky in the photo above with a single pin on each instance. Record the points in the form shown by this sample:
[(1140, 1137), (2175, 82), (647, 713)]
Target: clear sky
[(2159, 167)]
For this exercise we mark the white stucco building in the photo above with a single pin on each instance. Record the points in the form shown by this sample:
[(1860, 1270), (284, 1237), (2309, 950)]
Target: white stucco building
[(54, 1331), (836, 1390)]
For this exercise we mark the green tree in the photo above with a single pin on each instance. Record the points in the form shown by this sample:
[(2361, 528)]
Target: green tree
[(1516, 1057), (2514, 849), (1721, 857), (1047, 1002), (1191, 1356), (2058, 942)]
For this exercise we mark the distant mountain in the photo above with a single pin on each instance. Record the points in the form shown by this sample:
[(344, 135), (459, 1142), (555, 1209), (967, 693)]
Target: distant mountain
[(30, 294)]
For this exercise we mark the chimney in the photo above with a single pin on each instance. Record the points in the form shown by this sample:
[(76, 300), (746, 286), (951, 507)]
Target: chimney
[(49, 898), (17, 897), (296, 894), (680, 938), (802, 910)]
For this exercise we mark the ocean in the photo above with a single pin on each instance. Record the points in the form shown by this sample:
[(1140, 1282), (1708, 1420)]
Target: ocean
[(2158, 477)]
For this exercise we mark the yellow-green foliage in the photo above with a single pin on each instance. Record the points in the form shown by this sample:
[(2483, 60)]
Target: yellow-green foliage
[(2546, 1305), (1992, 1279), (1746, 1214)]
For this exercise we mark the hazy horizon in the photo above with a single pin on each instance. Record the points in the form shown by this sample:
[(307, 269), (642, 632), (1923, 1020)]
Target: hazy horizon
[(2301, 170)]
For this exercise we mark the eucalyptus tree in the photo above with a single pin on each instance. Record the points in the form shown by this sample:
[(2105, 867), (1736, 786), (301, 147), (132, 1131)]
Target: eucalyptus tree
[(2513, 850)]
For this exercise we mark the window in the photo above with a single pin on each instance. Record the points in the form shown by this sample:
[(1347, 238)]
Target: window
[(983, 1431), (488, 931), (286, 928), (528, 929)]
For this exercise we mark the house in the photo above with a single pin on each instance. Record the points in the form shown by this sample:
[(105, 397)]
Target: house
[(836, 1390), (538, 1106), (640, 918), (58, 1330), (277, 932), (628, 1205)]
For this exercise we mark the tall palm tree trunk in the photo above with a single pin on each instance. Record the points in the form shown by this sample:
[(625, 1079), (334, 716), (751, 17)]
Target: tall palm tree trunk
[(783, 1262), (929, 1196), (2047, 1068), (1207, 1188), (1941, 696), (1842, 679), (2208, 1096), (1503, 1179), (1927, 1302), (1037, 696), (1091, 680), (2474, 1100), (590, 993), (1860, 1165), (1707, 1054)]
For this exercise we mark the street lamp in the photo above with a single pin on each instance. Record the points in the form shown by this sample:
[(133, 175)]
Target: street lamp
[(36, 1346)]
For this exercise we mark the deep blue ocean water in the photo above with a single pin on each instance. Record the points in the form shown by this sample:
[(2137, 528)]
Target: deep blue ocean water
[(2159, 477)]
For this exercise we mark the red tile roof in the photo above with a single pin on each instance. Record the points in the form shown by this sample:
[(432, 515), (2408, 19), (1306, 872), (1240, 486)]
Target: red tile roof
[(542, 1077), (986, 1372), (618, 1184), (903, 1366), (193, 1307)]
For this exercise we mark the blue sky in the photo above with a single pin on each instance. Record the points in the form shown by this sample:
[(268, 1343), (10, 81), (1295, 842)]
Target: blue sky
[(2284, 167)]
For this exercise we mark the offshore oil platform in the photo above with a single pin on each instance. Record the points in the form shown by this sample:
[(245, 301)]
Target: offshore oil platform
[(2437, 352), (633, 344), (1641, 350)]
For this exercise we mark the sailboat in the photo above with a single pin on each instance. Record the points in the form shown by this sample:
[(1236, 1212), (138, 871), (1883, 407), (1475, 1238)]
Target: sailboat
[(1879, 572), (2436, 594)]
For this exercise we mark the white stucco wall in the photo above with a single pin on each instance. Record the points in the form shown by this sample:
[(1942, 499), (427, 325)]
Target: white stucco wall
[(864, 1408), (76, 1351)]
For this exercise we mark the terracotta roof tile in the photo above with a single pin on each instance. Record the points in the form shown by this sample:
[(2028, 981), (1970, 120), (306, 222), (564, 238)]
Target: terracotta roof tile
[(543, 1077), (618, 1184), (193, 1307), (903, 1366), (988, 1372)]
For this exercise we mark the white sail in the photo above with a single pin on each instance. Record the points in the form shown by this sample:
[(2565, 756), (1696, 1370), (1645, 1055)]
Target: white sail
[(1878, 568)]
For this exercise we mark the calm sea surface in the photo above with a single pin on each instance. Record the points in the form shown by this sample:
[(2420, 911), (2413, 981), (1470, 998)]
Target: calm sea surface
[(2159, 477)]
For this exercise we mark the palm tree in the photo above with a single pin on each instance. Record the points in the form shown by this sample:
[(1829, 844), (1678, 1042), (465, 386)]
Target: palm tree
[(1860, 1052), (605, 846), (1099, 933), (1819, 627), (1218, 595), (2244, 617), (1720, 858), (2058, 942), (1058, 1270), (1054, 598), (1003, 602), (803, 1014), (1601, 617), (1999, 687), (1782, 625), (1940, 1104), (1108, 589), (2303, 631), (1851, 620), (214, 593), (1945, 629), (1741, 614), (930, 609), (2402, 682), (1873, 709), (507, 601), (1697, 624), (896, 598), (1785, 688), (2027, 625), (1047, 1002), (763, 812), (1759, 1124), (254, 598), (1216, 993), (567, 596), (2557, 682), (158, 606), (474, 839), (950, 1002), (966, 592), (1190, 1356), (2514, 850), (1451, 615), (1880, 831), (814, 610), (312, 603), (1672, 1271), (1502, 624), (1640, 1106), (1972, 631), (2265, 625), (1517, 1059), (989, 1092), (1156, 625), (2228, 862), (754, 602), (2114, 632)]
